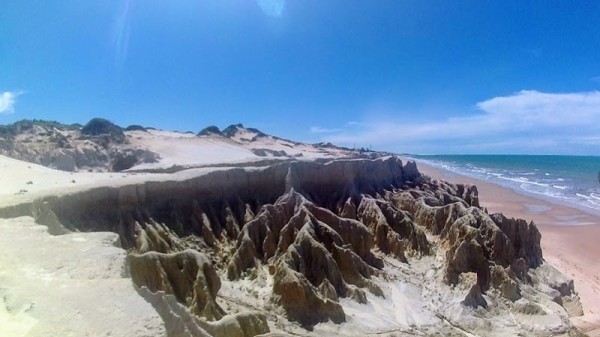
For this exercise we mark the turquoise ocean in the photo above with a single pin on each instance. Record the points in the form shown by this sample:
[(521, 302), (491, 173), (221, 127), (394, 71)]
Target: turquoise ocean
[(570, 180)]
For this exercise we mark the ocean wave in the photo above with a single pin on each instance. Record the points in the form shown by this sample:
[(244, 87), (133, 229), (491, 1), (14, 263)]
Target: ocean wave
[(541, 189), (523, 180), (563, 187), (589, 198)]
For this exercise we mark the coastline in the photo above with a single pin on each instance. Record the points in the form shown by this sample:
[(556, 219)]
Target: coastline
[(571, 249), (569, 237)]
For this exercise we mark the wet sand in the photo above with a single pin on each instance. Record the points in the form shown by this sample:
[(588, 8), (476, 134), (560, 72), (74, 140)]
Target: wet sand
[(570, 237)]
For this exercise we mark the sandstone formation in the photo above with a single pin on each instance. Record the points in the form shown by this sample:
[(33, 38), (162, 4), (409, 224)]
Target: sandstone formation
[(190, 278), (188, 275), (323, 238)]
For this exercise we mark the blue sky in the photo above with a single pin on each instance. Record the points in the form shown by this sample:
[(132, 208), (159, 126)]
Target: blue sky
[(406, 76)]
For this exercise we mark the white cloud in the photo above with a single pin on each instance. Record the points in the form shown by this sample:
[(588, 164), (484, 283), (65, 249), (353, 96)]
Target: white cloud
[(528, 121), (7, 102), (533, 109)]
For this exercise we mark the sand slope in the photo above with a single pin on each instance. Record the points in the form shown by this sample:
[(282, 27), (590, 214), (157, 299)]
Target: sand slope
[(68, 285)]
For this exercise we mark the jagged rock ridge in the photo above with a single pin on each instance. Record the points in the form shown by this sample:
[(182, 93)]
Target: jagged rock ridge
[(325, 232)]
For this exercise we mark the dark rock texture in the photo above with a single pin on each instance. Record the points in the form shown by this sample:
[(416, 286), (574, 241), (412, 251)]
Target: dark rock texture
[(188, 275)]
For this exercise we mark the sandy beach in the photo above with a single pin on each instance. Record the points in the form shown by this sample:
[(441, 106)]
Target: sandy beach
[(569, 237)]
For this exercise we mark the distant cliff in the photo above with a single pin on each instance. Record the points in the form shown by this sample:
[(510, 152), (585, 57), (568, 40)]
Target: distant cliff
[(100, 145)]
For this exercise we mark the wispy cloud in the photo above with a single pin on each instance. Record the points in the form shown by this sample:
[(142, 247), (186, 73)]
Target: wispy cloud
[(595, 79), (318, 129), (272, 7), (8, 100), (121, 33), (528, 121)]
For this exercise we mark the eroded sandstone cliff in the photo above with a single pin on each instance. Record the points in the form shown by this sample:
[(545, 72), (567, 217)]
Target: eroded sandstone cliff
[(324, 236)]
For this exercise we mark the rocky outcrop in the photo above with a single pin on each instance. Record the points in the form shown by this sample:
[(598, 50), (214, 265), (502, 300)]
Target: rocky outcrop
[(270, 221), (180, 322), (474, 298), (558, 287), (302, 300), (183, 287), (186, 206), (524, 238), (329, 185), (395, 231), (317, 257), (188, 275), (476, 241), (508, 286), (327, 233)]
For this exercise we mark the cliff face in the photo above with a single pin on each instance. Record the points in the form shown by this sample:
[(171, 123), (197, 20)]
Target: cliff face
[(324, 236)]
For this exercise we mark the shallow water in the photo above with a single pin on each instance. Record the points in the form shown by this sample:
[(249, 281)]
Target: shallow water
[(573, 180)]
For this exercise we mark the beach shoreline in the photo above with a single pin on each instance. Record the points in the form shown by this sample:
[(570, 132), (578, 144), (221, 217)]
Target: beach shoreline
[(569, 236), (571, 249)]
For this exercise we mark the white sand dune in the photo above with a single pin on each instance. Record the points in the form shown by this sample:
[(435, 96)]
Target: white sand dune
[(177, 148), (184, 149)]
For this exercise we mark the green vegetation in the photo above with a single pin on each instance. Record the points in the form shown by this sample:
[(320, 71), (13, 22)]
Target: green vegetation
[(11, 130), (231, 130), (136, 127), (209, 130), (100, 127)]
